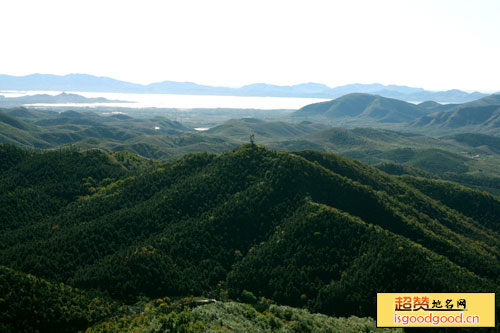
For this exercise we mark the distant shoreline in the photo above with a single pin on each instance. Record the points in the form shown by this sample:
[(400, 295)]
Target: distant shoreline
[(89, 83)]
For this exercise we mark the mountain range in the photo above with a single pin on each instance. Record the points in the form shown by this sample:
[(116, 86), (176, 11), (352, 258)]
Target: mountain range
[(90, 83), (51, 99), (358, 109), (483, 113)]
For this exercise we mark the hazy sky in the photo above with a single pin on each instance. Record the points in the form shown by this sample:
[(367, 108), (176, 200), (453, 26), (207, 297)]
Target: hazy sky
[(435, 44)]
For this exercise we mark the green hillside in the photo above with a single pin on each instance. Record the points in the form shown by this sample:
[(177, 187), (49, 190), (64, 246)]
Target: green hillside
[(37, 185), (337, 139), (16, 131), (484, 142), (485, 183), (363, 107), (487, 117), (373, 146), (432, 160), (30, 304), (241, 129), (493, 99), (11, 121), (305, 229), (467, 158), (358, 109), (166, 315), (480, 115), (157, 137), (482, 207)]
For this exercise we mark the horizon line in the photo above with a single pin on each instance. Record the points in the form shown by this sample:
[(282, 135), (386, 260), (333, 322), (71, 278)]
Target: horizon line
[(470, 91)]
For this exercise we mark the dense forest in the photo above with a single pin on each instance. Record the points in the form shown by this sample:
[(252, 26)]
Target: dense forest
[(109, 240)]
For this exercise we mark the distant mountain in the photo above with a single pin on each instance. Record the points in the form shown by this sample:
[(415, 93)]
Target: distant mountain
[(432, 106), (51, 99), (493, 99), (299, 90), (70, 82), (366, 110), (480, 114), (375, 88), (448, 96), (364, 106), (84, 82)]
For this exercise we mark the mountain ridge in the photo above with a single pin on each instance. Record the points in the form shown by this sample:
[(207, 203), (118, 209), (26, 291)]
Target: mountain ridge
[(63, 97), (364, 106), (86, 82), (483, 113), (355, 109)]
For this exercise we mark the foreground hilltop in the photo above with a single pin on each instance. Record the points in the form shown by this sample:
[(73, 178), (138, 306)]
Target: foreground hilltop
[(305, 229)]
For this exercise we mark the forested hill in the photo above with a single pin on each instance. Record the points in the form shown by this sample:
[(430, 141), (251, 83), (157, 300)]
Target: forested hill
[(364, 106), (359, 109), (304, 229)]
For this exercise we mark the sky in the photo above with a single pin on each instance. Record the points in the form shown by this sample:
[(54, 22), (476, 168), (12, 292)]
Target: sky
[(433, 44)]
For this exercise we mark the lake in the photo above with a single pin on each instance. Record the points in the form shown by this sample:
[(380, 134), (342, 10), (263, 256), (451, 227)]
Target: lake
[(177, 101)]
